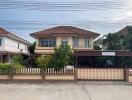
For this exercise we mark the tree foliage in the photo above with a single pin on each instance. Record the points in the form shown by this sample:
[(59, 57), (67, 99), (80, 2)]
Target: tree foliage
[(30, 61), (43, 61), (127, 43), (63, 56), (17, 60), (113, 41), (96, 46), (31, 48)]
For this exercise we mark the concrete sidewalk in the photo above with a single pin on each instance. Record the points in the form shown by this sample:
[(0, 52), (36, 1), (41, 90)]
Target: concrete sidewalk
[(67, 91)]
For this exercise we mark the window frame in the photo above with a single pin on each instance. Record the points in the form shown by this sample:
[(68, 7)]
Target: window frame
[(47, 42), (0, 41), (75, 42), (64, 42), (25, 47), (86, 42), (18, 46)]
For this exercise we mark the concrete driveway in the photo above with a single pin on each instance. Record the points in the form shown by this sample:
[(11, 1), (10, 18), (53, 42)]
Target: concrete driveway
[(65, 91)]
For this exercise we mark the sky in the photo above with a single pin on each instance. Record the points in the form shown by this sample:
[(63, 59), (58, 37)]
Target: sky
[(23, 17)]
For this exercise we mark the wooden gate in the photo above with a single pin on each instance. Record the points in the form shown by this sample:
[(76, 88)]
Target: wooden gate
[(100, 74)]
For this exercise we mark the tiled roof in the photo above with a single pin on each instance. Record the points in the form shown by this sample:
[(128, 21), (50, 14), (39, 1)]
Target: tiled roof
[(5, 32), (64, 30), (125, 30)]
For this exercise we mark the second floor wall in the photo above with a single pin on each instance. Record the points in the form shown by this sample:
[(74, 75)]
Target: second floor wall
[(7, 44), (74, 42)]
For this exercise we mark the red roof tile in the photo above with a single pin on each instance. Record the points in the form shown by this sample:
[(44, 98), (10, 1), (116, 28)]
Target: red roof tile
[(65, 30)]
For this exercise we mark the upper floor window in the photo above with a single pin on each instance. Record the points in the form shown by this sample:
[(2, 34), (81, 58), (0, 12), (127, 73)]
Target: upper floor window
[(18, 45), (64, 42), (0, 42), (86, 42), (47, 42), (25, 47), (75, 42)]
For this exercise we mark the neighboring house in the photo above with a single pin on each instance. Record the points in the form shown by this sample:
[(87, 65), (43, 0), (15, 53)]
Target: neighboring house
[(78, 39), (125, 31), (11, 44), (122, 33)]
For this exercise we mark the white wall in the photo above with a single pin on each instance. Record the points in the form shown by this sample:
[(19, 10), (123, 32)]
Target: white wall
[(12, 45), (2, 44)]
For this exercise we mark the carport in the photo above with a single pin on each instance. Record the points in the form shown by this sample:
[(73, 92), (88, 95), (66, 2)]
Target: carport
[(85, 58)]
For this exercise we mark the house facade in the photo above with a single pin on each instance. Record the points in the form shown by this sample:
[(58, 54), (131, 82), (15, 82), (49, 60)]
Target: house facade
[(78, 39), (10, 45)]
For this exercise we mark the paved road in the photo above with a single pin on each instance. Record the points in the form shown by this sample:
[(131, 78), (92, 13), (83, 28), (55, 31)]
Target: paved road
[(69, 91)]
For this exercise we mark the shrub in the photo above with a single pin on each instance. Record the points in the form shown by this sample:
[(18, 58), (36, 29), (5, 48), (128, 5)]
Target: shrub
[(5, 66), (17, 61), (43, 61)]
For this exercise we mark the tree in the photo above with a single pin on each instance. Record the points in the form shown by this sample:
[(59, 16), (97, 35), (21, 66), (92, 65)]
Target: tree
[(31, 48), (112, 41), (30, 61), (63, 56), (127, 43), (98, 44)]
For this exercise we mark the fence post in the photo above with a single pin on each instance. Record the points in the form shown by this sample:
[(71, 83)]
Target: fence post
[(11, 73), (126, 74), (43, 73), (75, 74)]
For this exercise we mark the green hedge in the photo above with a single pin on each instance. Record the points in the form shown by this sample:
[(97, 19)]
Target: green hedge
[(5, 66)]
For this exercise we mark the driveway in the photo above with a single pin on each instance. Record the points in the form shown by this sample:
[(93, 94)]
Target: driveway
[(65, 91)]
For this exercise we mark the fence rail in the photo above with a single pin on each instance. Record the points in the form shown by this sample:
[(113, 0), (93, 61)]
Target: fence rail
[(59, 71), (37, 74), (4, 71), (66, 74), (27, 71)]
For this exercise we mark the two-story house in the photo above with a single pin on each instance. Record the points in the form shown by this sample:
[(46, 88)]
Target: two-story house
[(10, 45), (78, 39)]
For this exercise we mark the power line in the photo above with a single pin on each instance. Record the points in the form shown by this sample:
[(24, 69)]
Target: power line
[(48, 23), (63, 6)]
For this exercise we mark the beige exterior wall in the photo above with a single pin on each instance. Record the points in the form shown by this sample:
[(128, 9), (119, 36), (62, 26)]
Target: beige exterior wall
[(27, 77), (59, 77), (50, 50), (58, 41), (4, 77)]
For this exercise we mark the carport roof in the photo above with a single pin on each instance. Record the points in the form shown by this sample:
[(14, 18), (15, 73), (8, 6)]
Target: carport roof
[(103, 53)]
